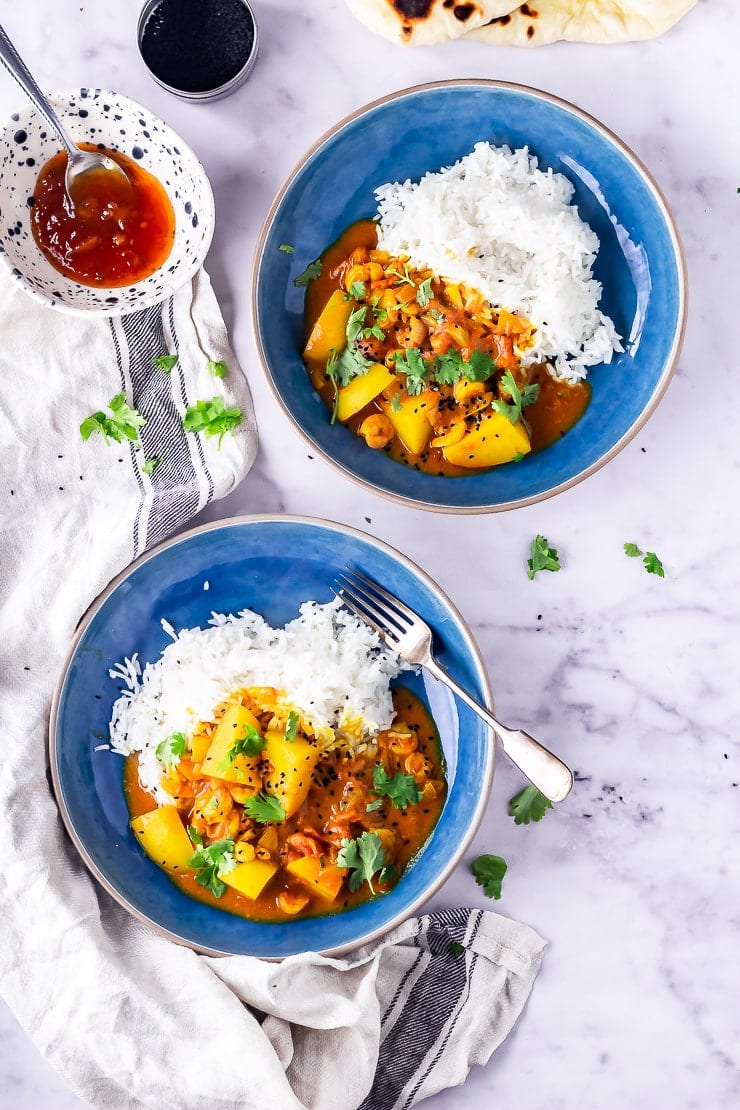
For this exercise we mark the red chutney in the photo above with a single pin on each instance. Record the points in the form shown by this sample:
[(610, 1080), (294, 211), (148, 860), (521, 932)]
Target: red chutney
[(116, 234)]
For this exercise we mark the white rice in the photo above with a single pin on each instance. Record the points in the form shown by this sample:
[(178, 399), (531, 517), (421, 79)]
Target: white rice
[(328, 664), (497, 223)]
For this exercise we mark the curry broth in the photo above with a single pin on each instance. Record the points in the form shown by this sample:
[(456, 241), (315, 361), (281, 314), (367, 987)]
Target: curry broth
[(412, 826), (558, 407)]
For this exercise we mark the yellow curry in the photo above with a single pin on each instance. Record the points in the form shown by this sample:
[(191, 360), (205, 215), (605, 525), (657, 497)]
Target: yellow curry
[(266, 823), (427, 370)]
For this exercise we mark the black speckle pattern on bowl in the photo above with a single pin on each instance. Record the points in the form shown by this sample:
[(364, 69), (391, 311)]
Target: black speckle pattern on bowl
[(108, 120)]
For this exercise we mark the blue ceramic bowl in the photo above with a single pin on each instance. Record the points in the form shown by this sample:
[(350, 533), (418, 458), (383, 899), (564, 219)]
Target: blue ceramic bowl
[(640, 266), (270, 564)]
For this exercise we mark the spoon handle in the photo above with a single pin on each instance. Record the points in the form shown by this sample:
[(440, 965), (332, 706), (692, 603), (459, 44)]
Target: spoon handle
[(548, 773), (16, 67)]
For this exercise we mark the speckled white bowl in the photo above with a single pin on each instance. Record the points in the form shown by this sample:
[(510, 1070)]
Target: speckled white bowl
[(113, 121)]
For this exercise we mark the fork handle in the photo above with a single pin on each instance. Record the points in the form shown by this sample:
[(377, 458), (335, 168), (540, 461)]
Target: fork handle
[(543, 769)]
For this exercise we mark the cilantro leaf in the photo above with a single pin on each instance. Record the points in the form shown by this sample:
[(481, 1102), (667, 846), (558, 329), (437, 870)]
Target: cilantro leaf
[(412, 364), (292, 727), (123, 424), (172, 749), (372, 806), (211, 418), (313, 270), (332, 374), (363, 856), (166, 362), (357, 290), (375, 330), (355, 323), (530, 804), (250, 744), (455, 949), (150, 465), (396, 402), (543, 557), (405, 278), (653, 564), (286, 248), (424, 293), (402, 789), (212, 862), (218, 369), (351, 364), (512, 410), (195, 836), (480, 367), (449, 368), (632, 550), (489, 873), (264, 807)]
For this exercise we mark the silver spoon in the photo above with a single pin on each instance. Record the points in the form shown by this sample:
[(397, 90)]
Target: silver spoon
[(78, 161)]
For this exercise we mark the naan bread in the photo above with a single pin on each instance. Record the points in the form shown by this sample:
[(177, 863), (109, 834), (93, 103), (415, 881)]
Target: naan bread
[(425, 22), (602, 21)]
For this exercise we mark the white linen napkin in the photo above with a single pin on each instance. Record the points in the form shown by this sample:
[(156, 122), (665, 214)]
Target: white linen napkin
[(130, 1019)]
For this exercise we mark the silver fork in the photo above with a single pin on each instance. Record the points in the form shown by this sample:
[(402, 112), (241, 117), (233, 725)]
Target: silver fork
[(411, 637)]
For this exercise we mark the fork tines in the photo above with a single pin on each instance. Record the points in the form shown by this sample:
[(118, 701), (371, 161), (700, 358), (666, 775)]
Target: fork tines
[(371, 603)]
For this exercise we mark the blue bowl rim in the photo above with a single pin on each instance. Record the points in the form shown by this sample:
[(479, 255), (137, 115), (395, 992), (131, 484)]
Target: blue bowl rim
[(486, 780), (172, 287), (670, 362)]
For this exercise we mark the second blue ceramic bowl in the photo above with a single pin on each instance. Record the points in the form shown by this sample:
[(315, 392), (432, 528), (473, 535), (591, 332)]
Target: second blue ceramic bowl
[(271, 565), (640, 266)]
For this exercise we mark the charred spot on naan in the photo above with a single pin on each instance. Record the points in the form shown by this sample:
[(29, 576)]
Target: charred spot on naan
[(419, 10)]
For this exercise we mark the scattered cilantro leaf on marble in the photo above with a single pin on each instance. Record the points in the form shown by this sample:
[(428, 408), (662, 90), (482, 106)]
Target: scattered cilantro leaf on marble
[(530, 804), (489, 873), (542, 557), (653, 564), (632, 550)]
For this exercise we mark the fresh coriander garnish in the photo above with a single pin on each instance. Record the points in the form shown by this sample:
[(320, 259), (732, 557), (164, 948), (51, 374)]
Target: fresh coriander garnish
[(123, 424), (286, 248), (331, 373), (542, 557), (520, 398), (449, 368), (313, 270), (481, 366), (171, 750), (530, 804), (402, 789), (195, 836), (653, 564), (211, 418), (372, 806), (357, 290), (364, 856), (396, 402), (166, 362), (405, 278), (424, 293), (291, 728), (355, 324), (250, 744), (375, 330), (455, 949), (412, 364), (212, 862), (489, 873), (150, 465), (264, 807), (650, 561), (218, 369)]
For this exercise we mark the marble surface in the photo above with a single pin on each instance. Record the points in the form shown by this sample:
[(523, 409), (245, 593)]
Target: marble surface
[(634, 679)]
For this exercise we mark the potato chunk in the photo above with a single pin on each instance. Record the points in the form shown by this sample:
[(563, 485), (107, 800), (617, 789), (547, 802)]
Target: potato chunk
[(162, 835), (494, 441), (250, 878), (242, 770), (293, 763), (325, 881), (329, 333), (362, 390), (411, 423)]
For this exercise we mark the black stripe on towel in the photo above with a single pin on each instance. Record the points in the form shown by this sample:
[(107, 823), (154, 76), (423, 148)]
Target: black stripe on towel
[(132, 449), (174, 481), (435, 997)]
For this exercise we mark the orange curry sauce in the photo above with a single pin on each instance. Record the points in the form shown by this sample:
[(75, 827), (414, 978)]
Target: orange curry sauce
[(558, 407), (115, 234), (336, 780)]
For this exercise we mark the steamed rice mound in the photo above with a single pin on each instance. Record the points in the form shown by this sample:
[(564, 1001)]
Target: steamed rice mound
[(495, 222), (326, 663)]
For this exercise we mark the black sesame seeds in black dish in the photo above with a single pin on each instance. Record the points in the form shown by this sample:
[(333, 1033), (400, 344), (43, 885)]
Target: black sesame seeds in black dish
[(198, 48)]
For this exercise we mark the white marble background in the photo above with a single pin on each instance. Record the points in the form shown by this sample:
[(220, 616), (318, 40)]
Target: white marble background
[(634, 880)]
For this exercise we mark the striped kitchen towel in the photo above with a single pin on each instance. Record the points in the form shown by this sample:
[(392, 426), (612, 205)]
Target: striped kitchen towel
[(129, 1018)]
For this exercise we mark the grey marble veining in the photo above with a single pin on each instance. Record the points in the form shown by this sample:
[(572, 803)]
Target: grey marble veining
[(634, 880)]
